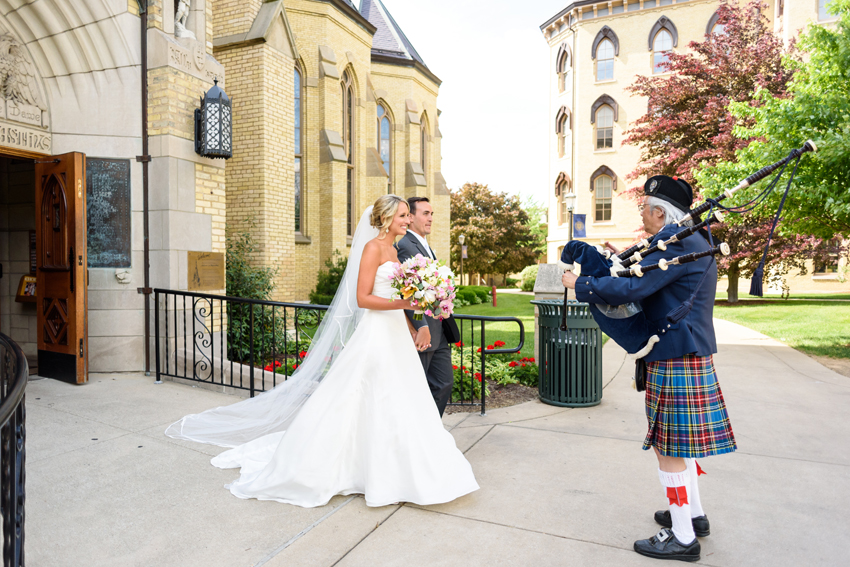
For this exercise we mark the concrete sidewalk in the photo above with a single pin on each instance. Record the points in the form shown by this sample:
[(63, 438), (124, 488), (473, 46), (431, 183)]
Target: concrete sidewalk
[(559, 486)]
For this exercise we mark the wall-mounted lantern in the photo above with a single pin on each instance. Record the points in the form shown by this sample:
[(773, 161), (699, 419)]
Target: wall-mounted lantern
[(214, 125)]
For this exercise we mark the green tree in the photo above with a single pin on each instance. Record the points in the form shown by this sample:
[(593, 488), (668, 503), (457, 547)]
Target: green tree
[(496, 227), (328, 279), (536, 212), (817, 107)]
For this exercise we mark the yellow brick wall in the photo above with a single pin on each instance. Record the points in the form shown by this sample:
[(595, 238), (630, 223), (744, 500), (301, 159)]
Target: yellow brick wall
[(260, 176), (210, 198), (231, 17), (154, 13), (173, 97), (133, 7)]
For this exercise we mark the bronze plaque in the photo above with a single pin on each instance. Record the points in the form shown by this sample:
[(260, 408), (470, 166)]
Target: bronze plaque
[(206, 271), (108, 207)]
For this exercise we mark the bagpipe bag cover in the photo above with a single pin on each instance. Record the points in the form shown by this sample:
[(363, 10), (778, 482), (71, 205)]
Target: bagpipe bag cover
[(632, 332)]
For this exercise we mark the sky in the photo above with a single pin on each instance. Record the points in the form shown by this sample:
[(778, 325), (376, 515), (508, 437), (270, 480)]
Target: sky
[(494, 64)]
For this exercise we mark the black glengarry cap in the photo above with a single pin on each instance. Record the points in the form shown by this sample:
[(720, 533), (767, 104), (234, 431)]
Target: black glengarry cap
[(671, 189)]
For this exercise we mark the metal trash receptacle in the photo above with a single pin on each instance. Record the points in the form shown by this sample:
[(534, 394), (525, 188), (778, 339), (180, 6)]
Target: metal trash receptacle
[(570, 361)]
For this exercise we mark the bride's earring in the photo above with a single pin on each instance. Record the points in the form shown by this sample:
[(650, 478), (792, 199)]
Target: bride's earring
[(388, 230)]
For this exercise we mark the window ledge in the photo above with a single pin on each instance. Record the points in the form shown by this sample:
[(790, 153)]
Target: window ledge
[(301, 239), (348, 241), (604, 223), (823, 277), (606, 81), (608, 151)]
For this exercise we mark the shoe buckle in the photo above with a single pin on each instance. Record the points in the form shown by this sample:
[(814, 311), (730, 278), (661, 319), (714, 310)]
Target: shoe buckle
[(663, 535)]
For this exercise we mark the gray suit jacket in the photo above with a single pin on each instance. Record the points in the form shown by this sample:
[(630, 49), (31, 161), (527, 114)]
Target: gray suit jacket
[(408, 247)]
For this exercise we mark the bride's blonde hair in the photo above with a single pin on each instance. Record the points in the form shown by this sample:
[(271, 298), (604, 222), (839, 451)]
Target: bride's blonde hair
[(383, 212)]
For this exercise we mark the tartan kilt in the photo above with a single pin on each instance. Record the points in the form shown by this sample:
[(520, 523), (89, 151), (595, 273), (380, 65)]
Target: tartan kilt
[(685, 409)]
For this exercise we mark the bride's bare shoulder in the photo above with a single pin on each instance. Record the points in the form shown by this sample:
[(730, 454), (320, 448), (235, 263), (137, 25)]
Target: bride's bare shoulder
[(372, 248)]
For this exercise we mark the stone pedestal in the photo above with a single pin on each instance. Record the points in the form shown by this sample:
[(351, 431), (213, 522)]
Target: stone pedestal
[(547, 286)]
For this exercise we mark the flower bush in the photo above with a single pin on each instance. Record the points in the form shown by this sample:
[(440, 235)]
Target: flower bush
[(502, 369)]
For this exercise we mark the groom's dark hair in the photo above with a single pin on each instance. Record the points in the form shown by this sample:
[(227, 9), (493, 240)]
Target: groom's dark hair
[(412, 202)]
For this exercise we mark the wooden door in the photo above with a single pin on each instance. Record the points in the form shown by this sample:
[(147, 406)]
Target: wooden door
[(61, 262)]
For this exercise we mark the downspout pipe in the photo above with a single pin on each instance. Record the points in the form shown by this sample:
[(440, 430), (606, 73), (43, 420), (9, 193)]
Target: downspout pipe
[(145, 159)]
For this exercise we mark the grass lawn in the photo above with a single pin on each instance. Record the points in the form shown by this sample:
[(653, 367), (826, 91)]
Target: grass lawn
[(721, 295), (509, 305), (814, 327)]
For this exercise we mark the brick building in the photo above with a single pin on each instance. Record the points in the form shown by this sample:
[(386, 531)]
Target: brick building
[(332, 107), (596, 51)]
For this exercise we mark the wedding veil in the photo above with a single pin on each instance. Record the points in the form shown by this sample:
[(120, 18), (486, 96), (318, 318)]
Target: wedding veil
[(274, 410)]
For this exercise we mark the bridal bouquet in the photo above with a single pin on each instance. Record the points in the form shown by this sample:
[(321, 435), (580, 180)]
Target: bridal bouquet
[(428, 284)]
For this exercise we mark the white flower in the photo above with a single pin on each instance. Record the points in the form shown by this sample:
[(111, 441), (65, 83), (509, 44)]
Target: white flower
[(418, 294), (430, 296), (445, 272)]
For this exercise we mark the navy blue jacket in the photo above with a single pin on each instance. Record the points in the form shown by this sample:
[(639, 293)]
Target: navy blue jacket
[(661, 291)]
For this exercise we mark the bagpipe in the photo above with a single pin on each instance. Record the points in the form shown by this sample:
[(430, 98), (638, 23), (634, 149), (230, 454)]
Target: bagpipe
[(627, 324)]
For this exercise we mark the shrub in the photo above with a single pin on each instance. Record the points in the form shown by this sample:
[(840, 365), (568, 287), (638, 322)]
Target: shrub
[(512, 282), (483, 293), (467, 296), (329, 279), (467, 382), (249, 282), (528, 276)]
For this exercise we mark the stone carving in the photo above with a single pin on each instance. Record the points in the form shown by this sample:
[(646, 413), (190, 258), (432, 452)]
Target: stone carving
[(18, 76), (181, 15), (123, 276)]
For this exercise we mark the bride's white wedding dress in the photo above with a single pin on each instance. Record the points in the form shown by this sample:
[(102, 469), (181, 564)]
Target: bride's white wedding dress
[(370, 427)]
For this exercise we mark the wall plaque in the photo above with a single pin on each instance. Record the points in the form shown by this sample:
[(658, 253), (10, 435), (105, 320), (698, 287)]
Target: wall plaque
[(206, 271), (108, 206)]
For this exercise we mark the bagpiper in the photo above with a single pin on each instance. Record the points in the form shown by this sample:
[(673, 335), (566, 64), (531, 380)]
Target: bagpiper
[(685, 410)]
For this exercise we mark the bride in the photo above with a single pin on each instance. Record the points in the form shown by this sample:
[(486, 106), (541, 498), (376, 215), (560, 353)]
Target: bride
[(357, 417)]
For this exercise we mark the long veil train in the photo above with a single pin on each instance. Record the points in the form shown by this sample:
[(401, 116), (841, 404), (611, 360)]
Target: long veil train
[(273, 411)]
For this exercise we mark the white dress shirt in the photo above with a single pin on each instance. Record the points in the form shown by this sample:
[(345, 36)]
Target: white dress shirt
[(423, 242)]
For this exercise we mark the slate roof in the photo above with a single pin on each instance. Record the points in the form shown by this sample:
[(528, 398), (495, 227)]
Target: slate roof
[(389, 40)]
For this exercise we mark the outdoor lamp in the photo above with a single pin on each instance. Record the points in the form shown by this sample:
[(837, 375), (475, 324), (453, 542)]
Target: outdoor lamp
[(570, 199), (461, 239), (214, 125)]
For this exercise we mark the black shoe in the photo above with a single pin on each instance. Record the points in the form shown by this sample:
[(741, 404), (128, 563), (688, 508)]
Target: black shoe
[(700, 523), (664, 545)]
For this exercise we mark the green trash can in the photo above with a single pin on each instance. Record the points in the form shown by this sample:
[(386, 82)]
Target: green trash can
[(570, 361)]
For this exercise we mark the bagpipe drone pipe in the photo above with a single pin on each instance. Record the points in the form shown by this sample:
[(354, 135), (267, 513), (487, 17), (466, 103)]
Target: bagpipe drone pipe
[(627, 324)]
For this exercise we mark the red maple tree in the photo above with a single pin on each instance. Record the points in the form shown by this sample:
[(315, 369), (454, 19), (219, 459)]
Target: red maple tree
[(688, 123)]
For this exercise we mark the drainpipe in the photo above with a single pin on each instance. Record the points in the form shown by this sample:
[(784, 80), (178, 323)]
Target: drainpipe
[(145, 158)]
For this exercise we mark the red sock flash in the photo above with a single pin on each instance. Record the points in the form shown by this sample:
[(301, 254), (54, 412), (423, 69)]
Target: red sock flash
[(699, 469), (677, 495)]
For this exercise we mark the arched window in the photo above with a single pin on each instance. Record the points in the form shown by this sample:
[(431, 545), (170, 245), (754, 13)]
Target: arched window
[(714, 27), (563, 187), (348, 106), (423, 145), (661, 46), (823, 11), (603, 193), (563, 124), (605, 61), (299, 187), (604, 127), (385, 143), (563, 63)]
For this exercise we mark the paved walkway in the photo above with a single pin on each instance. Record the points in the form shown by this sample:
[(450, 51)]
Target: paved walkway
[(558, 486)]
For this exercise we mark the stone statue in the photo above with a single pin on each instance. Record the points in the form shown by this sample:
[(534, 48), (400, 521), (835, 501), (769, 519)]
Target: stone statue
[(17, 74), (181, 15)]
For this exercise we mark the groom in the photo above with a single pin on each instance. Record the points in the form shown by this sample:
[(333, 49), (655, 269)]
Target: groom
[(436, 358)]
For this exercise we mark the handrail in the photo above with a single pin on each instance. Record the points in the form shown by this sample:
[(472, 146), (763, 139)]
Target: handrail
[(266, 302), (13, 398), (498, 319)]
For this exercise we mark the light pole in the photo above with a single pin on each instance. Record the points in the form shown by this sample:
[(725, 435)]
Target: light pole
[(461, 240), (570, 200)]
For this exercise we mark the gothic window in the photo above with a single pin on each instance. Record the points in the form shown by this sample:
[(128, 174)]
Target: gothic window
[(602, 198), (563, 63), (385, 128), (563, 124), (661, 46), (423, 144), (714, 27), (299, 187), (823, 11), (562, 189), (604, 127), (348, 141), (605, 61)]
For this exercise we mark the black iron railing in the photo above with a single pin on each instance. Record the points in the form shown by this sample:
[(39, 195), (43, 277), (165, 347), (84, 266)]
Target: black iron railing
[(14, 373), (254, 345)]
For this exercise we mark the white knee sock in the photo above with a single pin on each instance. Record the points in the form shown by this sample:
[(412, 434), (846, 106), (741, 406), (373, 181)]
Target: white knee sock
[(677, 486), (693, 493)]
